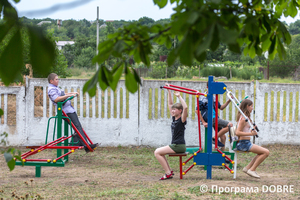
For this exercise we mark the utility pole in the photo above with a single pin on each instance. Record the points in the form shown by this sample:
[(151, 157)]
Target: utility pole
[(97, 65)]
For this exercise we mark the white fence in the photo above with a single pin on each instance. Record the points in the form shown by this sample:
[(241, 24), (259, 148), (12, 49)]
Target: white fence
[(121, 118)]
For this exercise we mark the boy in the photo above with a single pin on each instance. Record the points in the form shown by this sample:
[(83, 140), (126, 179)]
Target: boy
[(222, 124), (57, 95)]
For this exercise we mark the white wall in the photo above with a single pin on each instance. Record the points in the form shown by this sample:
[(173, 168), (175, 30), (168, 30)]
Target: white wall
[(139, 128)]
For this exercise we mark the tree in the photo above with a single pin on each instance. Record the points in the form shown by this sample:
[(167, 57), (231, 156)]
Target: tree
[(85, 58), (295, 27), (12, 36), (287, 67), (199, 25)]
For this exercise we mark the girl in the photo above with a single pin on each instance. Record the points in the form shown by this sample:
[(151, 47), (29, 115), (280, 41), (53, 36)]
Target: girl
[(244, 132), (179, 114)]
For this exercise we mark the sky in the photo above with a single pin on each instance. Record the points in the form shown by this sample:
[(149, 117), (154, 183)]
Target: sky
[(87, 9)]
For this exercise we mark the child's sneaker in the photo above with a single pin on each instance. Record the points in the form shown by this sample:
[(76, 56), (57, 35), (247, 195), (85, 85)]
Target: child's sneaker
[(245, 170), (220, 144), (253, 174)]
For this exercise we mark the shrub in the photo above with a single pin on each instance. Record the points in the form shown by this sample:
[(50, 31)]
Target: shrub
[(158, 70), (187, 72)]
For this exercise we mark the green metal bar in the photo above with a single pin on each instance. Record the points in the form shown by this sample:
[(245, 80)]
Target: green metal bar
[(46, 141), (38, 169), (70, 98), (66, 131), (59, 125), (57, 164), (54, 129)]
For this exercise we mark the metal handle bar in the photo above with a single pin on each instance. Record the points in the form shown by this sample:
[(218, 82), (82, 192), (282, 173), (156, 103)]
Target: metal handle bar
[(182, 89), (188, 89), (229, 94), (70, 98)]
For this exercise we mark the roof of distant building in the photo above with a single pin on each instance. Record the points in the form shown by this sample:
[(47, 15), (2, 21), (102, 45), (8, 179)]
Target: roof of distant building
[(43, 22), (103, 26), (63, 43)]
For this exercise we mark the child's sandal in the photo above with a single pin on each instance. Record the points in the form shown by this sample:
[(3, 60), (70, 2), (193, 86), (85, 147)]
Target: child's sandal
[(166, 176), (172, 173)]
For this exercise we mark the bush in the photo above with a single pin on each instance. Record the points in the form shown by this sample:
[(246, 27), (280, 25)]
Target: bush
[(158, 70), (187, 72), (215, 71), (246, 73)]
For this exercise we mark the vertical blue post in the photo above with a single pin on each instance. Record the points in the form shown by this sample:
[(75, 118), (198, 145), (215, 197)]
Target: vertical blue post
[(209, 128)]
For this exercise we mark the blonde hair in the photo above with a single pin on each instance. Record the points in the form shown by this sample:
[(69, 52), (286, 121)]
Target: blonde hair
[(178, 106), (244, 108), (51, 77)]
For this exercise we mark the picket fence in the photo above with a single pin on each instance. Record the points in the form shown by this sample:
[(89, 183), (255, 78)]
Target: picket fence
[(121, 118)]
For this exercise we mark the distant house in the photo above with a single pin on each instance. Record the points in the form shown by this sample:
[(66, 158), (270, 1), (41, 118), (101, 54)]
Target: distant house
[(215, 65), (60, 44), (44, 22)]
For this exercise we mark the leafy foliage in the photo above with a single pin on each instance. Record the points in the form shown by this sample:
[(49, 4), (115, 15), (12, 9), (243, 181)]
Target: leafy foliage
[(198, 25), (287, 67)]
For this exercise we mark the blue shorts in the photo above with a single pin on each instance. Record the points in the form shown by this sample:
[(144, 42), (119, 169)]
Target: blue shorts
[(244, 145)]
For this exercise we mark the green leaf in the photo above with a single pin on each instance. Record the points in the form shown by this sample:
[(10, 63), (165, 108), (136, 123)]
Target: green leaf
[(227, 36), (206, 42), (16, 1), (10, 66), (103, 82), (142, 53), (234, 48), (266, 44), (171, 57), (291, 10), (252, 52), (193, 16), (266, 23), (168, 42), (42, 51), (130, 81), (119, 47), (272, 47), (11, 164), (285, 34), (91, 85), (160, 3), (246, 50), (19, 159), (105, 48), (117, 75), (280, 49), (9, 12), (1, 112), (4, 30), (137, 77), (186, 47), (215, 41), (8, 156), (201, 57)]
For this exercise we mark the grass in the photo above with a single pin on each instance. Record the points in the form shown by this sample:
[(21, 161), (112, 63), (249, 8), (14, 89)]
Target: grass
[(133, 172)]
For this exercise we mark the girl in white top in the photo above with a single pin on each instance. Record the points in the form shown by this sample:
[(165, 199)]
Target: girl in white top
[(244, 133)]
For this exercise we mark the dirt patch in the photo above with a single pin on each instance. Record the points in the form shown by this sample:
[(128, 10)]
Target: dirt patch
[(133, 173)]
